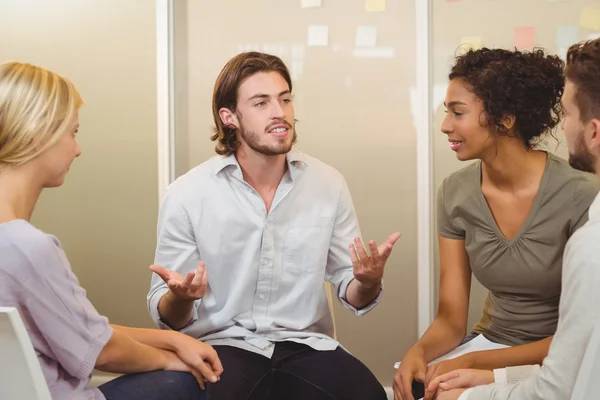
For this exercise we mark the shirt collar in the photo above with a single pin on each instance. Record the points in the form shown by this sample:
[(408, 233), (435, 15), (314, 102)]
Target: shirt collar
[(295, 160), (223, 162)]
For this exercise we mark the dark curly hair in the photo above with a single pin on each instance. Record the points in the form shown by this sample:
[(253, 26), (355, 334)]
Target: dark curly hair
[(233, 74), (522, 84), (583, 69)]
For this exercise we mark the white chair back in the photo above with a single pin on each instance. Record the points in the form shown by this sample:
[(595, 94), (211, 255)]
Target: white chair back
[(21, 376)]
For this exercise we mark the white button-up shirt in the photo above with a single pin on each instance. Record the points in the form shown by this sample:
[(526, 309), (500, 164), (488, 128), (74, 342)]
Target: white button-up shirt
[(265, 270)]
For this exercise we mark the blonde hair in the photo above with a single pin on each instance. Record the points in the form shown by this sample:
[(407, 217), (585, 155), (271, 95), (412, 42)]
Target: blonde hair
[(37, 107)]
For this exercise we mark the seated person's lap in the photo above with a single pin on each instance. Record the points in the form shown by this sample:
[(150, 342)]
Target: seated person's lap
[(156, 385), (295, 371), (244, 372)]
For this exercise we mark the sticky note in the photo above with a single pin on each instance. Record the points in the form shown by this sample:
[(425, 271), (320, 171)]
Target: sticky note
[(590, 18), (524, 36), (366, 36), (310, 3), (318, 35), (562, 54), (375, 5), (470, 42), (566, 35)]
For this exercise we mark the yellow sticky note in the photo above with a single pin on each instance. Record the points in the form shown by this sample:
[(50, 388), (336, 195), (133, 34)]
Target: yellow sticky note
[(375, 5), (470, 42), (590, 18)]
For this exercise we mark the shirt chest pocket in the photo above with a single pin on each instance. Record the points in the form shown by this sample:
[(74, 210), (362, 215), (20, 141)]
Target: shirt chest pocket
[(306, 245)]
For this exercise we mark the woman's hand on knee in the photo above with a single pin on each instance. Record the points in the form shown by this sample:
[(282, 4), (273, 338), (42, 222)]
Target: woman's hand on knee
[(444, 367), (459, 379), (200, 356), (413, 367)]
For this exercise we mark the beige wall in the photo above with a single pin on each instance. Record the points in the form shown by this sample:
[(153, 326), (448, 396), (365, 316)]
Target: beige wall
[(354, 114), (105, 214)]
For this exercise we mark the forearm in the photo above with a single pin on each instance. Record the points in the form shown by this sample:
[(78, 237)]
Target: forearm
[(441, 337), (166, 340), (177, 313), (359, 296), (123, 354), (527, 354)]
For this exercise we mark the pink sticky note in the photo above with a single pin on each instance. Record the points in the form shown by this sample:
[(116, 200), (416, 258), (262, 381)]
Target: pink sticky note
[(524, 36)]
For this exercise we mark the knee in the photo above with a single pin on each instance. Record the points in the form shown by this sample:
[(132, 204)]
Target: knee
[(180, 381)]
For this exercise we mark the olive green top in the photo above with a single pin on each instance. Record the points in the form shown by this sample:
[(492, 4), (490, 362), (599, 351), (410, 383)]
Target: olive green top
[(523, 274)]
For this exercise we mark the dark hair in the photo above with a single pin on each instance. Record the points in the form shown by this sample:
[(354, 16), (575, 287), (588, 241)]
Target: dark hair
[(583, 69), (525, 85), (228, 82)]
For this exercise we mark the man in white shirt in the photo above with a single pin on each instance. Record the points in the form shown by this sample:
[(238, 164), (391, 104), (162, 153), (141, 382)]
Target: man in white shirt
[(246, 241), (580, 296)]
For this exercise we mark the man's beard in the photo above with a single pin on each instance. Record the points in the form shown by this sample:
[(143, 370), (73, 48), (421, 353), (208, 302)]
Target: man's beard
[(283, 145), (582, 158)]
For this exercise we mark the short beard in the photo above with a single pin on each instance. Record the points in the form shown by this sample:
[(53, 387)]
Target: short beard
[(253, 141), (582, 158)]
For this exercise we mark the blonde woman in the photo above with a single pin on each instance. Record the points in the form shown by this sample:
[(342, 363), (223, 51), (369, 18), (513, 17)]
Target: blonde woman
[(38, 125)]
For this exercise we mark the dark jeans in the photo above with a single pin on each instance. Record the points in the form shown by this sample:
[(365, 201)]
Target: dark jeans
[(418, 388), (295, 372), (157, 385)]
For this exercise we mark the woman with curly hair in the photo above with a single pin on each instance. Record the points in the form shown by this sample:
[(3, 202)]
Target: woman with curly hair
[(505, 217)]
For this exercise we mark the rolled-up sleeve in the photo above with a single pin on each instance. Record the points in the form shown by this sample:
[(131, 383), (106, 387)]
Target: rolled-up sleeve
[(361, 311)]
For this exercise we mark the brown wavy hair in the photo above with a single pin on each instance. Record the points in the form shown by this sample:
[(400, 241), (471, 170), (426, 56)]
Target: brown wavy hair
[(583, 69), (238, 69)]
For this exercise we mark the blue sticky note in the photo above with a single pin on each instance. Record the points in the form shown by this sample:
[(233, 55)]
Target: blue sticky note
[(566, 35)]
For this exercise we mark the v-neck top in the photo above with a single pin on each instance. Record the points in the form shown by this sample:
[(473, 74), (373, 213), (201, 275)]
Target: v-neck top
[(523, 273)]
